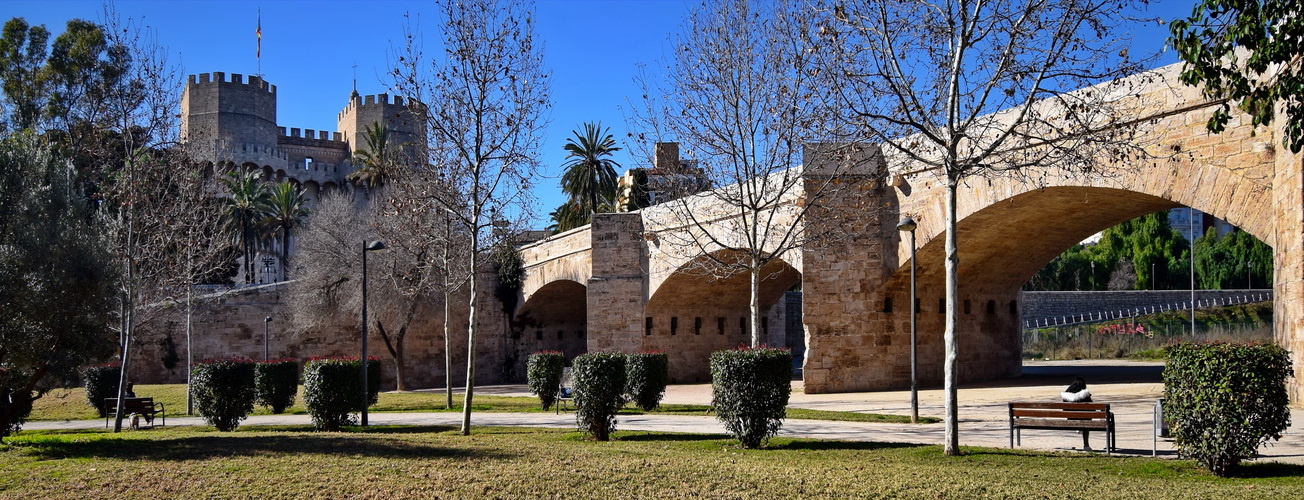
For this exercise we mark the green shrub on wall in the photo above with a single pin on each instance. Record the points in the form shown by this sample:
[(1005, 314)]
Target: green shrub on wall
[(332, 390), (224, 391), (1225, 400), (544, 370), (276, 383), (101, 383), (646, 376), (599, 391), (751, 388)]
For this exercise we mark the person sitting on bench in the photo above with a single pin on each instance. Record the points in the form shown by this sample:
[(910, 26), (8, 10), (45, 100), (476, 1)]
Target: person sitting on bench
[(1077, 393)]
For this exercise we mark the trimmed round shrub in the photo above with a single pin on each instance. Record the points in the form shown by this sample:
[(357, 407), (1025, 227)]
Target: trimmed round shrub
[(224, 391), (276, 383), (646, 376), (1226, 400), (101, 383), (751, 388), (599, 380), (544, 369), (332, 390), (17, 402)]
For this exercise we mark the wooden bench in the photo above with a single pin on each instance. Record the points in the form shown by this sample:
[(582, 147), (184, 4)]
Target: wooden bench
[(1062, 416), (145, 407)]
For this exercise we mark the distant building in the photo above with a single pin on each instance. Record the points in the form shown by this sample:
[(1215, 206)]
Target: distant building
[(231, 124), (1181, 219), (668, 179)]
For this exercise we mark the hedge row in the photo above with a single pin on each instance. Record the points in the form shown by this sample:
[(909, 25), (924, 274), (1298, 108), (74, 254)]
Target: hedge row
[(101, 383), (224, 391), (751, 388), (332, 390), (543, 373), (1226, 400), (276, 383)]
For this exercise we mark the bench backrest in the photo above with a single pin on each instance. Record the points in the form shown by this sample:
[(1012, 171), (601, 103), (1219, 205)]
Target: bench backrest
[(130, 404), (1089, 411)]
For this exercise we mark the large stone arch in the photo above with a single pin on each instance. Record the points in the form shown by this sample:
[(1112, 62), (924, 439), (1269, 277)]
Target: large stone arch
[(554, 317), (692, 314)]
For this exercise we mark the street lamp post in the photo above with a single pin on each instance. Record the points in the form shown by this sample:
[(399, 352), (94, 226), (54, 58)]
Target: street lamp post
[(366, 247), (908, 224), (266, 323)]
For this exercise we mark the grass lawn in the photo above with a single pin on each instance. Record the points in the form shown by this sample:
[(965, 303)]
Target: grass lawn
[(70, 404), (429, 462)]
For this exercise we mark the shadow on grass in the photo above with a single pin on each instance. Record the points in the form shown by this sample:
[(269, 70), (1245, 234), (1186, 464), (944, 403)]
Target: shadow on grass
[(639, 436), (815, 445), (203, 446), (1268, 470)]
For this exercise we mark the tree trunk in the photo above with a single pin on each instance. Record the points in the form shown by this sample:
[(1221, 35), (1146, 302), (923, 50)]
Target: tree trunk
[(448, 313), (128, 310), (399, 366), (448, 347), (756, 303), (285, 254), (470, 334), (952, 294), (190, 288)]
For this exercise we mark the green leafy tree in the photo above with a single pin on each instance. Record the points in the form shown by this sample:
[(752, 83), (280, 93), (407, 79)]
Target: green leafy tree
[(1271, 32), (590, 172), (23, 51), (374, 161), (283, 213), (56, 279), (246, 204)]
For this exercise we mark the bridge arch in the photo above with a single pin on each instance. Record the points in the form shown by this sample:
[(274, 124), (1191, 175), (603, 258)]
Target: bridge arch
[(555, 318), (691, 314)]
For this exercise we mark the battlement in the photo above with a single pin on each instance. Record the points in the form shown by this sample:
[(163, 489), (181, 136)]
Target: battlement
[(374, 100), (219, 78), (317, 135)]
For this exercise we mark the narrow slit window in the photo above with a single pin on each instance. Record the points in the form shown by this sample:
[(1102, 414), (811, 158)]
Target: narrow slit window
[(647, 326), (674, 325)]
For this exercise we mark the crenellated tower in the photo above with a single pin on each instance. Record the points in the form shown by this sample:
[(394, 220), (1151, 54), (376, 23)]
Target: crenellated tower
[(233, 119), (407, 128)]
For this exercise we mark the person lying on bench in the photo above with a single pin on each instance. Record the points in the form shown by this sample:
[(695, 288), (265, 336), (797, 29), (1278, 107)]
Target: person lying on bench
[(1077, 393)]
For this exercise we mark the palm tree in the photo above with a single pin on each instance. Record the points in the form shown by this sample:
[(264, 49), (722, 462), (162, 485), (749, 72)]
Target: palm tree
[(283, 213), (565, 218), (245, 205), (375, 160), (590, 172)]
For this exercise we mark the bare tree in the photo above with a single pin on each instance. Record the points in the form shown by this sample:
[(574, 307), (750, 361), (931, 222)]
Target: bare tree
[(417, 216), (140, 119), (488, 92), (326, 289), (199, 249), (972, 88), (743, 95)]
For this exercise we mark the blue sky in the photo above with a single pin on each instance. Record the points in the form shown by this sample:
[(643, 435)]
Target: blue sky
[(593, 49)]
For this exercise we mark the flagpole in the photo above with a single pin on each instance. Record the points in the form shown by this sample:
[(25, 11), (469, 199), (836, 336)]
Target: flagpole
[(259, 55)]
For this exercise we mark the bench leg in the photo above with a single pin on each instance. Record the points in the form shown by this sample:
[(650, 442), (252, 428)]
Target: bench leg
[(1018, 434)]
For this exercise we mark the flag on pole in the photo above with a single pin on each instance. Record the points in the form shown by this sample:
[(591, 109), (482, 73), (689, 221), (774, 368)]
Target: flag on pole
[(260, 34)]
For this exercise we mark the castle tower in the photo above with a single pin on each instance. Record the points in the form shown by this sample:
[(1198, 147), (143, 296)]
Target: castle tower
[(231, 119), (407, 129)]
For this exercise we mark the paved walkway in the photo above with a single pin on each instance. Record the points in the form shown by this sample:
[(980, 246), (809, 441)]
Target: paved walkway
[(1130, 387)]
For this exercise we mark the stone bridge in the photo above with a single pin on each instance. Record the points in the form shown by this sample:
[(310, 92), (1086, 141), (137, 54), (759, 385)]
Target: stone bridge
[(623, 283)]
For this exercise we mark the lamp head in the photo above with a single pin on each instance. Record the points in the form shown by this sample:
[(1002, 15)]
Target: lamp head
[(267, 319), (907, 224), (375, 245)]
